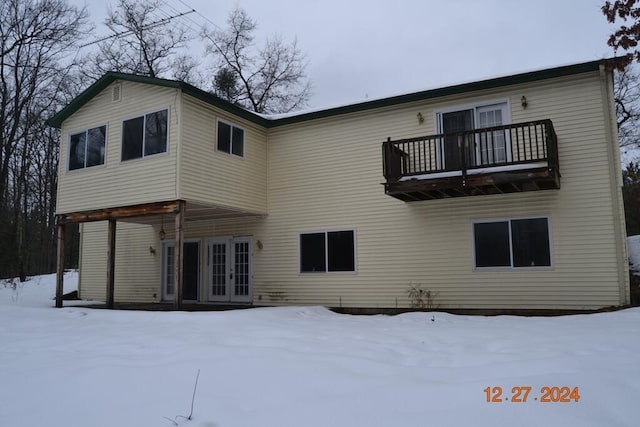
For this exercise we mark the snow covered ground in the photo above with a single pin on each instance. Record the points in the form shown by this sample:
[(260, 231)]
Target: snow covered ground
[(307, 366)]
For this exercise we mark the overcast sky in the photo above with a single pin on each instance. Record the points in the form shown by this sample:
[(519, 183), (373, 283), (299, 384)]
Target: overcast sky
[(359, 49)]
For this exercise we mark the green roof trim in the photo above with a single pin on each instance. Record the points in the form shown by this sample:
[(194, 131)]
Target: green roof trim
[(549, 73), (110, 77)]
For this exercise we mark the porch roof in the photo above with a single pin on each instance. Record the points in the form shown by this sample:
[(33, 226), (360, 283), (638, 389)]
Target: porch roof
[(152, 213)]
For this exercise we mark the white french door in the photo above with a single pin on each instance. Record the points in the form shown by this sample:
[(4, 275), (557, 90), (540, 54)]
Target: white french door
[(483, 148), (229, 269), (493, 146)]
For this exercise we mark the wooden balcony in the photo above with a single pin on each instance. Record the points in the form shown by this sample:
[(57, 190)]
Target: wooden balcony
[(501, 159)]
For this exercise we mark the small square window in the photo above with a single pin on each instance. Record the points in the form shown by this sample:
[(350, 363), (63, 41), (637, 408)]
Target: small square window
[(230, 139)]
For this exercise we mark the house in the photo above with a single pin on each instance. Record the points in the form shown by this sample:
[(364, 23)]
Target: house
[(501, 194)]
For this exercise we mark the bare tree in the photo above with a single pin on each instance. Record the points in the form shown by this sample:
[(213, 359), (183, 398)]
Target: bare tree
[(626, 97), (144, 41), (37, 43), (270, 79)]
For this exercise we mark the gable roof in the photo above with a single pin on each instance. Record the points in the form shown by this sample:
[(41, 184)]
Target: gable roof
[(111, 76), (273, 121)]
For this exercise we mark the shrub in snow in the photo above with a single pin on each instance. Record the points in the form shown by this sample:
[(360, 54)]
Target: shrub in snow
[(421, 298)]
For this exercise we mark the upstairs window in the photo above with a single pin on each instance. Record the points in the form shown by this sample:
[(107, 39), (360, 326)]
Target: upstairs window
[(329, 251), (230, 139), (145, 135), (87, 148), (512, 243)]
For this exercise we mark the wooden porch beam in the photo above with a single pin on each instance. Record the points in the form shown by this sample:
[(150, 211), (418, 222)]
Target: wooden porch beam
[(159, 208), (60, 265), (179, 255), (111, 262)]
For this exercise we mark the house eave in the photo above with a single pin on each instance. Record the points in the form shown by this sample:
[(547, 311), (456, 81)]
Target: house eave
[(492, 83), (103, 82), (267, 122)]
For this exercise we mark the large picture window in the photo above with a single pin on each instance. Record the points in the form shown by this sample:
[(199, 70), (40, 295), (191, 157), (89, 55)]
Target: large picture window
[(87, 148), (512, 243), (329, 251), (145, 135), (230, 139)]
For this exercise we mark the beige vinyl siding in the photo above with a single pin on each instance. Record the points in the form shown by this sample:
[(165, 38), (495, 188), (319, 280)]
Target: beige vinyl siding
[(212, 177), (326, 174), (138, 272), (118, 183)]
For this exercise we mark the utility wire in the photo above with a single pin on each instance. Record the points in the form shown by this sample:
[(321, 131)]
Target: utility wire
[(201, 15), (146, 27)]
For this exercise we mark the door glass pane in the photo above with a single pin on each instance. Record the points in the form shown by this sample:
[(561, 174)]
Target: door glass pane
[(170, 269), (492, 144), (452, 124), (218, 269), (241, 268)]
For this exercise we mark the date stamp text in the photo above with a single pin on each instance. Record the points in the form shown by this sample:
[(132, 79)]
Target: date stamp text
[(521, 394)]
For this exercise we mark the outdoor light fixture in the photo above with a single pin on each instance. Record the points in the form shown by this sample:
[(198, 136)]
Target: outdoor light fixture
[(420, 118), (162, 234), (523, 101)]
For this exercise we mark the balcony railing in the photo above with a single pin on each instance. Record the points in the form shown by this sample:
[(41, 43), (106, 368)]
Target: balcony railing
[(462, 161)]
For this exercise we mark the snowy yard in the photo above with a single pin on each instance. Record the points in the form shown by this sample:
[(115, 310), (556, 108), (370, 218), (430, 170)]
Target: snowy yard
[(308, 367)]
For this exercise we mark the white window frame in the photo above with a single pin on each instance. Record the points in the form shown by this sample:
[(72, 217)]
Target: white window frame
[(244, 139), (144, 135), (472, 106), (508, 221), (86, 130), (326, 251)]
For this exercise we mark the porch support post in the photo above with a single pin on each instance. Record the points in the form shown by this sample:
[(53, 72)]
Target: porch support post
[(60, 264), (111, 263), (179, 255)]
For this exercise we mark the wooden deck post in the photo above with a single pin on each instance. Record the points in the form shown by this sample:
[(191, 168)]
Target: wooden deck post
[(111, 262), (179, 256), (60, 265)]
